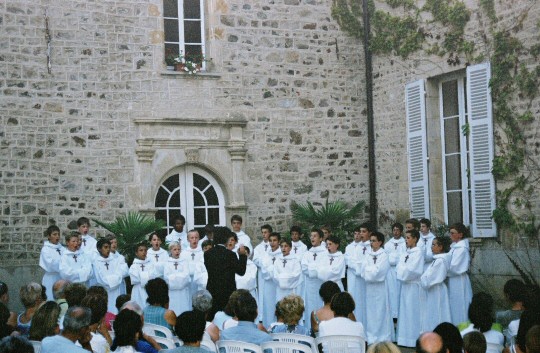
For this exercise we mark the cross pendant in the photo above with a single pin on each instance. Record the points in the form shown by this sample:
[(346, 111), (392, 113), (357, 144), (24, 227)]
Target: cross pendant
[(273, 260), (75, 258), (58, 250), (157, 257), (107, 265), (314, 256), (192, 256), (374, 259), (176, 265), (364, 251), (295, 248), (331, 260), (284, 262), (84, 241), (395, 246), (406, 258), (142, 267)]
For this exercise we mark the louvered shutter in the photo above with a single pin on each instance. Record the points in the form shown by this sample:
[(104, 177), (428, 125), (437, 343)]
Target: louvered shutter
[(415, 106), (481, 150)]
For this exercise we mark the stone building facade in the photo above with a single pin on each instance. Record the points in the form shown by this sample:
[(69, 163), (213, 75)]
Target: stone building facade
[(278, 116)]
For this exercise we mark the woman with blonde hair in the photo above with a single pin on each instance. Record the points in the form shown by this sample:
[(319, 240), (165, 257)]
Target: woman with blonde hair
[(291, 310), (31, 298), (383, 347)]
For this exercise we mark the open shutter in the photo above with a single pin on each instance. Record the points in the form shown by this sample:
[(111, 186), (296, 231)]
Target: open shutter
[(481, 150), (415, 106)]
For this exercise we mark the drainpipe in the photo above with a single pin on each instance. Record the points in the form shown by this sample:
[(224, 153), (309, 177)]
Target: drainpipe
[(373, 207)]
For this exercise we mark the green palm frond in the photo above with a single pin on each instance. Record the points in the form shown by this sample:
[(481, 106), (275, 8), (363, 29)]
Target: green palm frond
[(131, 229)]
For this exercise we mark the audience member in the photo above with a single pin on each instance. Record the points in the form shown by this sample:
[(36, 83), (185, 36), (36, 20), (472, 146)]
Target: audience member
[(5, 328), (246, 331), (291, 310), (16, 344), (342, 305), (45, 321), (532, 340), (514, 290), (474, 342), (451, 337), (481, 317), (145, 344), (157, 311), (4, 299), (59, 295), (31, 298), (190, 329), (383, 347), (75, 292), (127, 327), (76, 328), (430, 342), (101, 340), (120, 300), (327, 291)]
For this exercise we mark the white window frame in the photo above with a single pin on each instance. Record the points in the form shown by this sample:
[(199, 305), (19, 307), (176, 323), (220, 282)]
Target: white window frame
[(181, 35)]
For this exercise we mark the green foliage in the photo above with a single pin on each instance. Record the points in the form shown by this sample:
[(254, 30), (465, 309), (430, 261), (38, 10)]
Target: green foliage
[(392, 34), (489, 8), (337, 215), (406, 4), (131, 229), (348, 14)]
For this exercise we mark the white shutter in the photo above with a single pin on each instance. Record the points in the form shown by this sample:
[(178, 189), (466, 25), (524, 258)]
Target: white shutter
[(415, 106), (481, 150)]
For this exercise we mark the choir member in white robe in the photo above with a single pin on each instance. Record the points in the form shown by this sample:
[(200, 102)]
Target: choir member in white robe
[(140, 272), (120, 258), (315, 258), (176, 274), (74, 264), (365, 229), (156, 254), (109, 272), (49, 259), (351, 251), (259, 253), (287, 272), (243, 238), (178, 234), (459, 284), (379, 326), (412, 297), (335, 269), (88, 245), (194, 257), (298, 250), (394, 248), (249, 280), (433, 283), (269, 296), (426, 239)]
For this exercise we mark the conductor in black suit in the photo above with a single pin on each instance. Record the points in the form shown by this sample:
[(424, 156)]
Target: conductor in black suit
[(222, 264)]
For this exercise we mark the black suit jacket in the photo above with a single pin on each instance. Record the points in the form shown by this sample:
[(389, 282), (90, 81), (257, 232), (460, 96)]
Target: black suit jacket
[(222, 264)]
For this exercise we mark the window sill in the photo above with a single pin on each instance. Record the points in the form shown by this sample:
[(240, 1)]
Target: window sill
[(183, 75)]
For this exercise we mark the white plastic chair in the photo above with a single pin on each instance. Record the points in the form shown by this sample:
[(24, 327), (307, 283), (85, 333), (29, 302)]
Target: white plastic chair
[(165, 343), (228, 346), (37, 346), (342, 344), (157, 331), (295, 338), (494, 348), (285, 347)]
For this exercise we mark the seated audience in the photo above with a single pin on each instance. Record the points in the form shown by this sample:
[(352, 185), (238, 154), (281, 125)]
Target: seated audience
[(451, 337), (383, 347), (190, 329), (120, 300), (202, 303), (45, 321), (430, 342), (127, 327), (291, 310), (4, 299), (59, 296), (532, 340), (101, 340), (481, 317), (157, 311), (145, 344), (75, 292), (76, 328), (31, 298), (5, 328), (16, 344), (514, 290), (474, 342), (342, 305), (245, 310), (327, 291)]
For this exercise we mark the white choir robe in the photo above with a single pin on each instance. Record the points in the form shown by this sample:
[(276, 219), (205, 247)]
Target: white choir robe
[(179, 237), (298, 249), (424, 243), (140, 272), (49, 261), (287, 274), (269, 296), (362, 252), (350, 253), (437, 294), (380, 326), (89, 249), (259, 253), (334, 270), (394, 248), (159, 258), (75, 267), (459, 285), (176, 274), (412, 297), (197, 271), (122, 260), (245, 240), (249, 280), (109, 273), (313, 259)]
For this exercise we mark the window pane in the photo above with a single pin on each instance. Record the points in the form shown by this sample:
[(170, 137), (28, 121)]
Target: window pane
[(450, 98), (211, 196), (192, 9), (170, 8), (194, 52), (161, 197), (171, 49), (455, 208), (213, 215), (171, 30), (200, 216), (175, 199), (200, 182), (192, 31), (173, 213), (198, 199), (453, 172), (451, 135), (161, 214), (163, 232)]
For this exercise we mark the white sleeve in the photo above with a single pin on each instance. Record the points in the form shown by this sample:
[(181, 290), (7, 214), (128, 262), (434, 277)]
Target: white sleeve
[(332, 272), (376, 272), (176, 279), (49, 260), (289, 277), (459, 262), (434, 274), (412, 269)]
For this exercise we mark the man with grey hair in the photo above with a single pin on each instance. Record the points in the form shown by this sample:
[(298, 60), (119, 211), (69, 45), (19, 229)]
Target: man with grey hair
[(202, 301), (60, 296), (76, 328)]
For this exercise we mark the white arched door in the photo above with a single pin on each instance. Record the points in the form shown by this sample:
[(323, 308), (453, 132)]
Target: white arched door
[(193, 193)]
